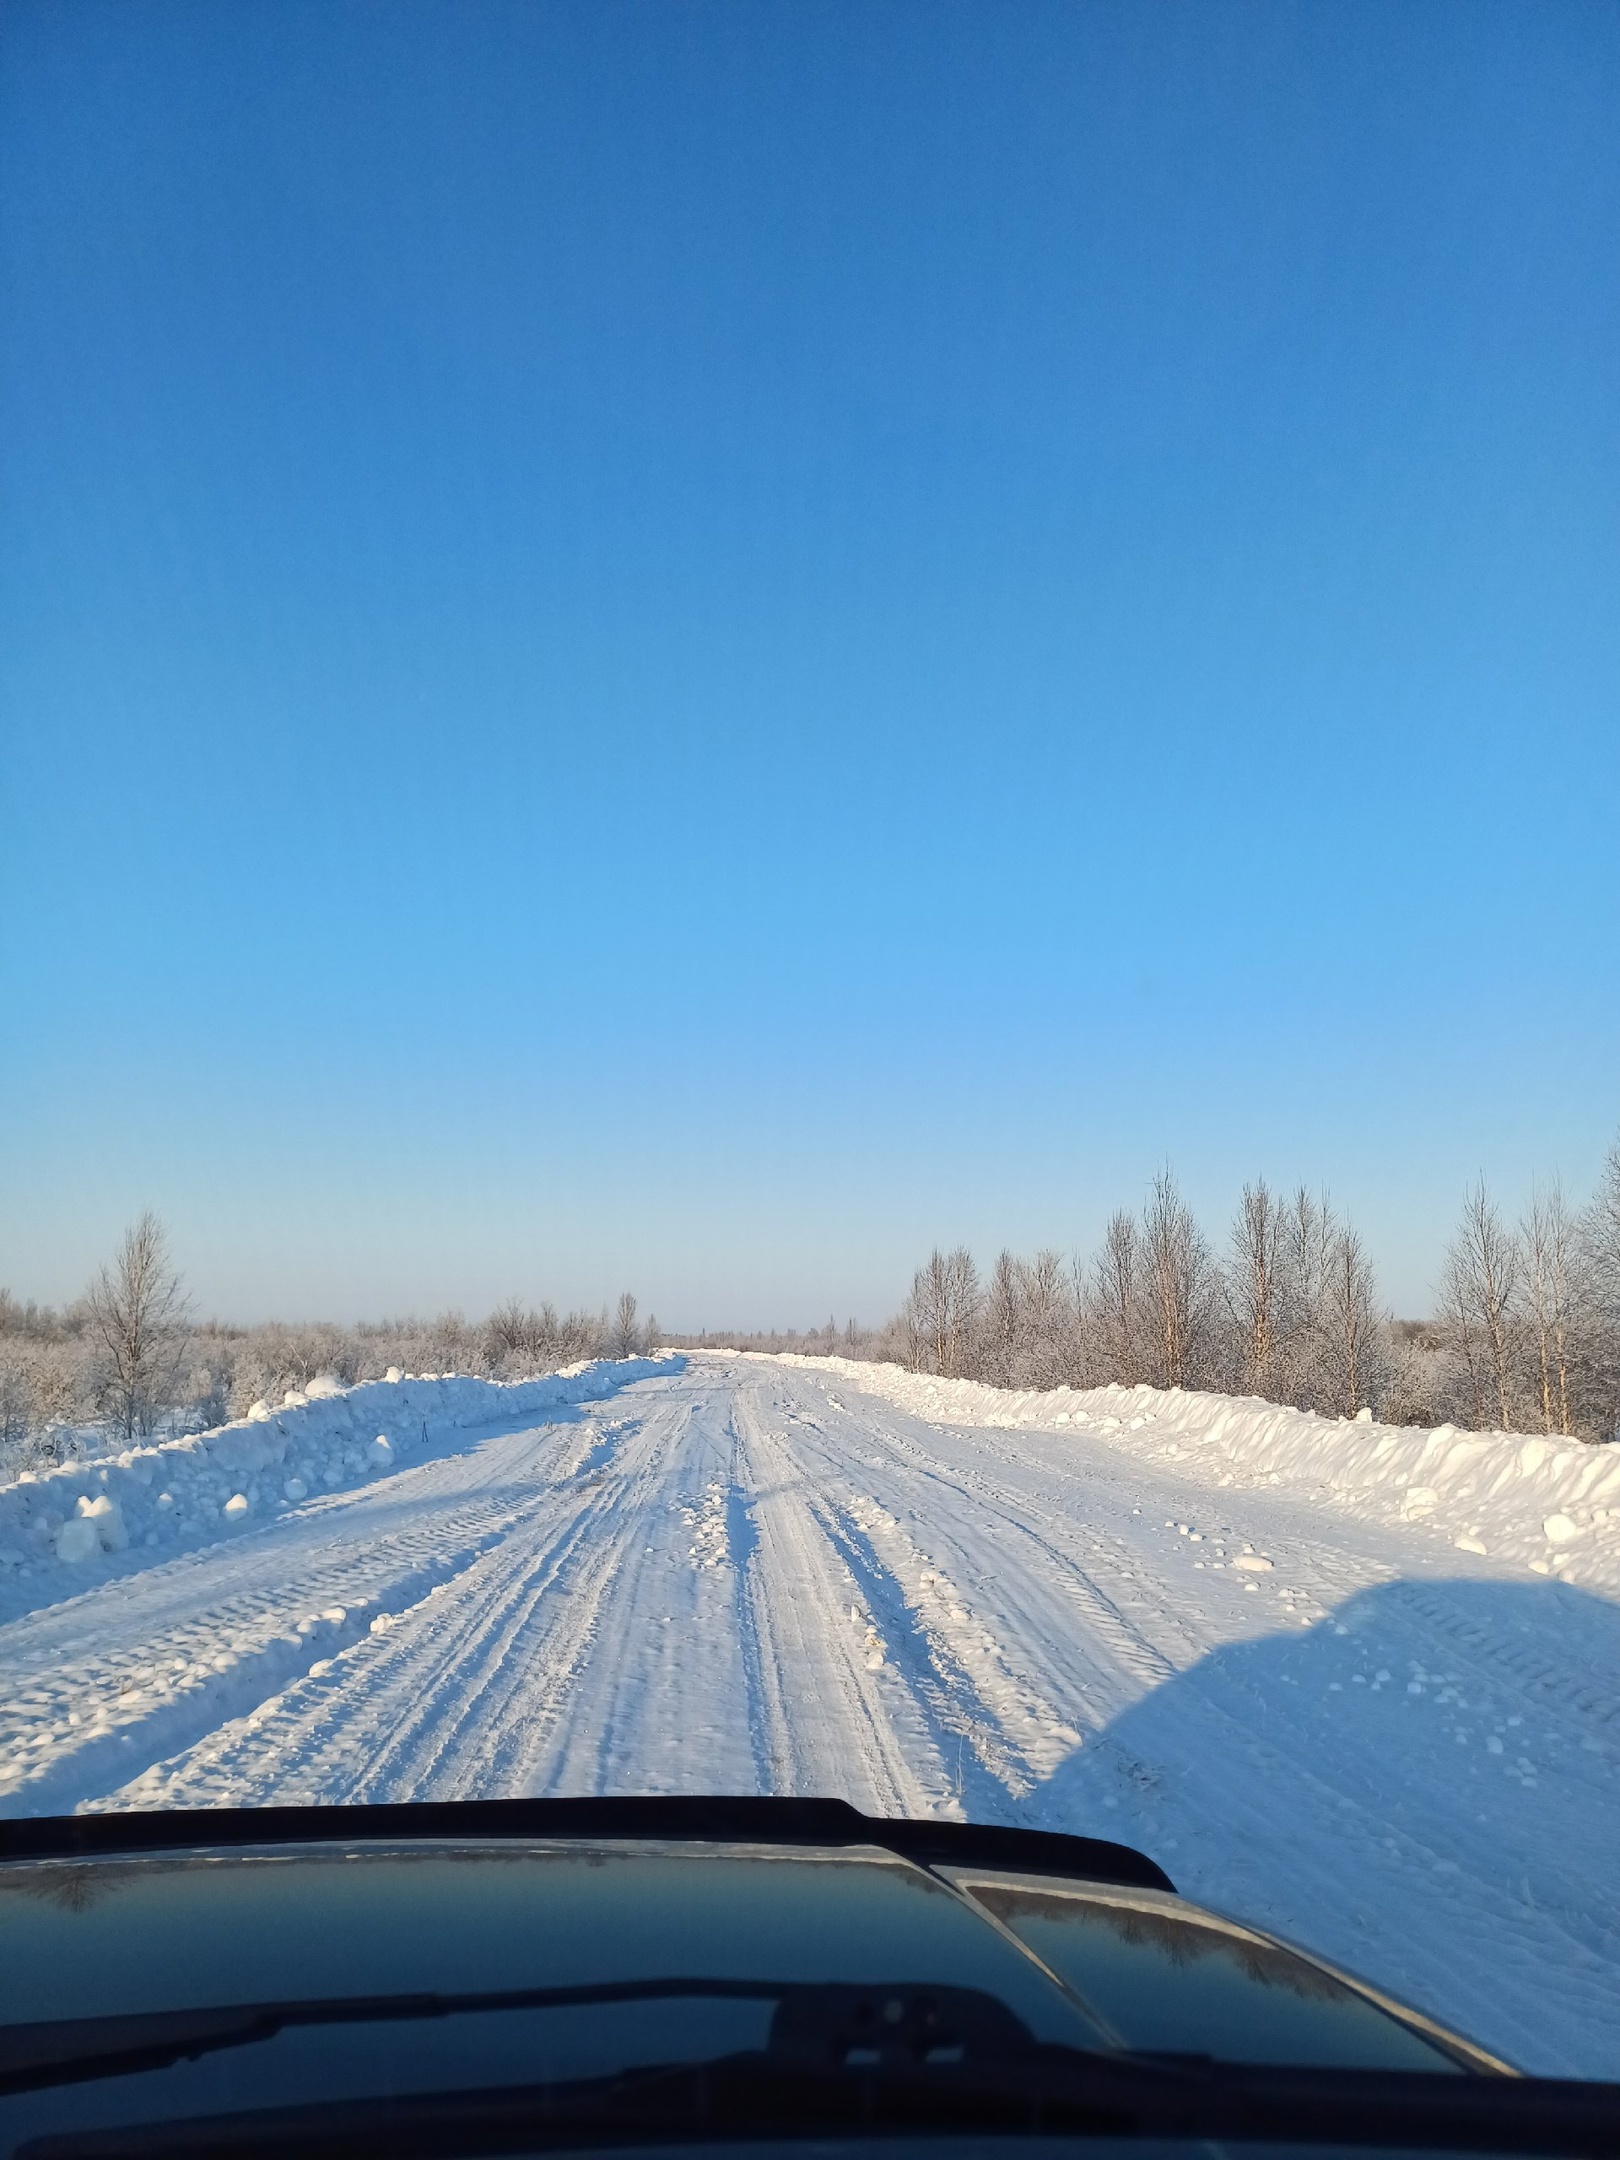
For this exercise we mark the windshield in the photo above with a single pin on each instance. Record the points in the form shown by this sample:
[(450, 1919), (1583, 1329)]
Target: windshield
[(808, 925)]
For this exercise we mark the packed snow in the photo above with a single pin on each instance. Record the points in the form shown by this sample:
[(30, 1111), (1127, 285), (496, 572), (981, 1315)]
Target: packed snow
[(1356, 1684)]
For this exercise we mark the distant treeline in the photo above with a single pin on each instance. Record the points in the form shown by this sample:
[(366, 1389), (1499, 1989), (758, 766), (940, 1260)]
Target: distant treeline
[(1525, 1334), (126, 1360)]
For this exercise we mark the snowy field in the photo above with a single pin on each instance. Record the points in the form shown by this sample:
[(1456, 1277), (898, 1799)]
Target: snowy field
[(1360, 1687)]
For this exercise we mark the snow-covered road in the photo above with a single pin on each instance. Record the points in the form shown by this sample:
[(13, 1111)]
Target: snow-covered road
[(745, 1575)]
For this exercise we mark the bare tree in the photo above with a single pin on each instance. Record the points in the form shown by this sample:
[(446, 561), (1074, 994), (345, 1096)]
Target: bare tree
[(1116, 1291), (1355, 1336), (1603, 1220), (1001, 1335), (1255, 1280), (625, 1337), (942, 1312), (508, 1334), (137, 1314), (1481, 1302), (1599, 1298), (1049, 1345), (1304, 1328), (1179, 1282), (16, 1409), (1547, 1240)]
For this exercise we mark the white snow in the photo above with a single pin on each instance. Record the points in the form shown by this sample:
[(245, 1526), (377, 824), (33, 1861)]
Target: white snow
[(1230, 1634), (179, 1492), (1512, 1494)]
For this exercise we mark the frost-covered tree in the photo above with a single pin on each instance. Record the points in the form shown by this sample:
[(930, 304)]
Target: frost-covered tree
[(625, 1336), (136, 1309), (1049, 1347), (1115, 1302), (1354, 1338), (1548, 1243), (1598, 1260), (1002, 1324), (1179, 1285), (1256, 1286), (1480, 1302), (941, 1316)]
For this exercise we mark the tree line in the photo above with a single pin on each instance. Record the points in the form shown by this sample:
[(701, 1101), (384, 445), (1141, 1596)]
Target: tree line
[(127, 1360), (1525, 1334)]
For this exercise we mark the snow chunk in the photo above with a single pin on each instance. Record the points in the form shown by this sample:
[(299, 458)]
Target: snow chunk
[(1559, 1530), (323, 1387), (259, 1413), (237, 1507), (106, 1519), (1252, 1563), (381, 1452), (77, 1540), (296, 1489)]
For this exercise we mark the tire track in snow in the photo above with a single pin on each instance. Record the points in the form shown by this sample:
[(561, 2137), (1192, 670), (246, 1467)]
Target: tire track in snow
[(1023, 1710), (462, 1693), (832, 1720)]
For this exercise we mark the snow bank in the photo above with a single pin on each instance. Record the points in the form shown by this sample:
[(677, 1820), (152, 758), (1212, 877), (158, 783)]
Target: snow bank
[(326, 1440), (1552, 1505)]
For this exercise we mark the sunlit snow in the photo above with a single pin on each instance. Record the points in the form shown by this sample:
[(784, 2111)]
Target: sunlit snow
[(1320, 1670)]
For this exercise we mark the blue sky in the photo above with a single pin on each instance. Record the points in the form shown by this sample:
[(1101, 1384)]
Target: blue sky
[(701, 644)]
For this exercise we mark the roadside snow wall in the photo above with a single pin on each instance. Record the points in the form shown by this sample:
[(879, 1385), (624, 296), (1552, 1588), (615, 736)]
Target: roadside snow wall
[(181, 1491), (1552, 1505)]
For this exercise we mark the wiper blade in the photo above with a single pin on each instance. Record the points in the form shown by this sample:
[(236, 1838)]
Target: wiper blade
[(840, 2060), (1050, 2093), (814, 2021)]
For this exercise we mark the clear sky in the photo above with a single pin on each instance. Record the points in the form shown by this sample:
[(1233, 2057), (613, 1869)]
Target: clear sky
[(699, 644)]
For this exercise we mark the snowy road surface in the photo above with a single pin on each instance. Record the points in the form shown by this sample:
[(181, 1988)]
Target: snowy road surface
[(748, 1576)]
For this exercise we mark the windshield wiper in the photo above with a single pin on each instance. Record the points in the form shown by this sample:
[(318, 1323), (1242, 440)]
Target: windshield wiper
[(822, 2021), (840, 2061), (1051, 2092)]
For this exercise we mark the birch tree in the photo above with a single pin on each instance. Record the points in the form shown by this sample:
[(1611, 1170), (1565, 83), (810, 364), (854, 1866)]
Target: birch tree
[(1117, 1300), (1003, 1329), (1547, 1241), (136, 1310), (1482, 1280), (1354, 1335), (1177, 1281), (942, 1311), (1050, 1323), (1256, 1280), (625, 1337)]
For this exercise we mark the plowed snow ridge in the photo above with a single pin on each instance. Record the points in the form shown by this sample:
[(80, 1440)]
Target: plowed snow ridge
[(745, 1574)]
